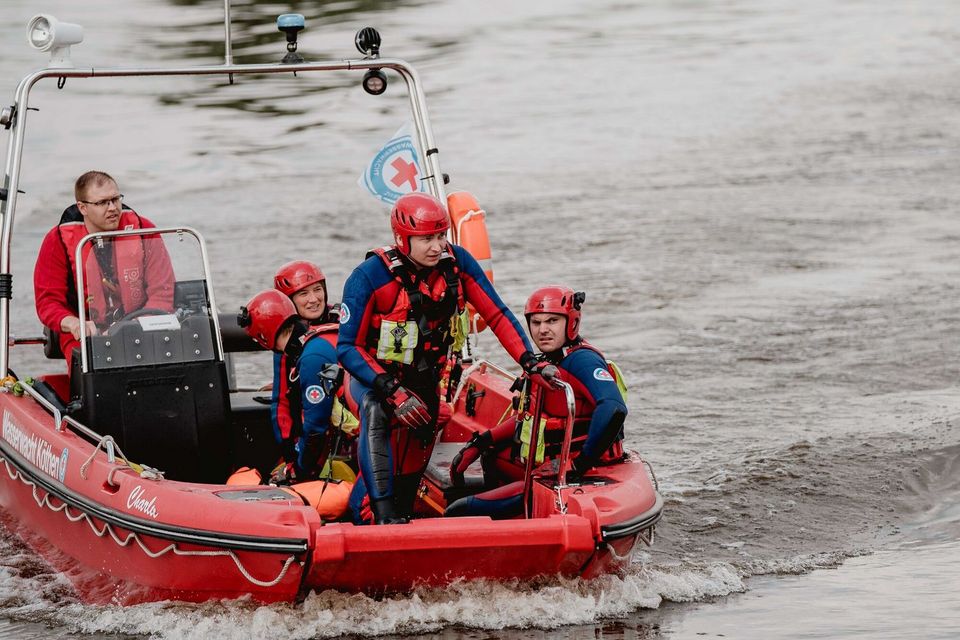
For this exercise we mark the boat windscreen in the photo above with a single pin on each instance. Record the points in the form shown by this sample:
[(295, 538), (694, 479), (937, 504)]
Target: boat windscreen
[(146, 300)]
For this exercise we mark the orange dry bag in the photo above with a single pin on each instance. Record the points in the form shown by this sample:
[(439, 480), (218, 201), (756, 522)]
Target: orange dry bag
[(244, 476), (330, 502)]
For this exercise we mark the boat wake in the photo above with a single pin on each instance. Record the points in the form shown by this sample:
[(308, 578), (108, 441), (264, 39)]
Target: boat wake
[(715, 539), (475, 605)]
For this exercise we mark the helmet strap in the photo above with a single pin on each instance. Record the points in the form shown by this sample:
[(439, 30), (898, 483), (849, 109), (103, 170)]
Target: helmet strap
[(555, 357), (294, 345)]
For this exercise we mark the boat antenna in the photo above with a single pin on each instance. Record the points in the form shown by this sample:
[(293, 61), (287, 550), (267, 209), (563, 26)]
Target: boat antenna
[(227, 38), (291, 24)]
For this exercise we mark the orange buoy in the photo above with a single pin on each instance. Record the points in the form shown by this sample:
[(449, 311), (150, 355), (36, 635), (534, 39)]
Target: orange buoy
[(330, 503), (469, 226), (244, 476)]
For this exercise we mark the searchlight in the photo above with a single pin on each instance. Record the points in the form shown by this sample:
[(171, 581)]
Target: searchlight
[(368, 43), (46, 33)]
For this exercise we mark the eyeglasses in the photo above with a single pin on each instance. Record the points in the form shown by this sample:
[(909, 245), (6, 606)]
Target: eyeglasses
[(115, 200)]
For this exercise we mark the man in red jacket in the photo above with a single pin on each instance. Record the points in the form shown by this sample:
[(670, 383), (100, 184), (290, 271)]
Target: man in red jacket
[(132, 273)]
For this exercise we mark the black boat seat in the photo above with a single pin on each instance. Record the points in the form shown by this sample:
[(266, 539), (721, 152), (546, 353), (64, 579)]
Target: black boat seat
[(251, 428)]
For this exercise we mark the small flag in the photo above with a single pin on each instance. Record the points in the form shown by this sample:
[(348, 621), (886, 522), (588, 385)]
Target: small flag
[(395, 169)]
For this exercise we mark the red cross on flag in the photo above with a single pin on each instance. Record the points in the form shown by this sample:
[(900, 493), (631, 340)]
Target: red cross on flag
[(395, 169)]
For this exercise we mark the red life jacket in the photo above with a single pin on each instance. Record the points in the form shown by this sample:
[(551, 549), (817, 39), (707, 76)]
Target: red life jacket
[(290, 381), (127, 292), (555, 410), (425, 307), (555, 400)]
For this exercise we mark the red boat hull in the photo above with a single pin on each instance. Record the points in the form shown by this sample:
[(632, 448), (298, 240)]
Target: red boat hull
[(125, 539)]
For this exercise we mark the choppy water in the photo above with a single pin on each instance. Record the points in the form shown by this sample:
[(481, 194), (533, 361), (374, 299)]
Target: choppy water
[(759, 198)]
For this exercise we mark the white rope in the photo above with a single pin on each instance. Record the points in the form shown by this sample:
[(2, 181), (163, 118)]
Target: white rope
[(149, 473), (474, 331), (465, 378), (107, 529), (113, 453), (112, 450), (105, 440)]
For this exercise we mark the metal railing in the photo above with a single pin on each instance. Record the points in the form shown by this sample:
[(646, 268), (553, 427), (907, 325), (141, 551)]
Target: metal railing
[(21, 107)]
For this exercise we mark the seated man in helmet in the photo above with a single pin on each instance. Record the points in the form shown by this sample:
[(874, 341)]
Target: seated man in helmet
[(395, 333), (132, 274), (271, 319), (553, 319), (306, 286)]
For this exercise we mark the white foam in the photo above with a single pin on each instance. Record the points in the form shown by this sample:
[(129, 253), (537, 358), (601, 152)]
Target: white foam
[(29, 587), (801, 564), (683, 584), (479, 605)]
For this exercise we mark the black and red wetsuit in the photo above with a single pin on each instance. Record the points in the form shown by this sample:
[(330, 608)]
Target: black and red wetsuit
[(387, 301)]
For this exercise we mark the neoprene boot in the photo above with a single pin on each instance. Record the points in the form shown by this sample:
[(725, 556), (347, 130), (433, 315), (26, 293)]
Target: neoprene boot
[(385, 513)]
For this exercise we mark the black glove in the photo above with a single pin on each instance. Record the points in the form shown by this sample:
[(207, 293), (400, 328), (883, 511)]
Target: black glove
[(540, 372), (479, 444), (409, 410)]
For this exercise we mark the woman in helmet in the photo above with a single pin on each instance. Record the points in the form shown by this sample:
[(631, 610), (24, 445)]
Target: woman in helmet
[(306, 286), (304, 400), (553, 319), (395, 332)]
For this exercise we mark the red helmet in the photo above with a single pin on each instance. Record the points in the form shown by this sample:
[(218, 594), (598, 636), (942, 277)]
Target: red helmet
[(296, 275), (417, 214), (264, 316), (560, 300)]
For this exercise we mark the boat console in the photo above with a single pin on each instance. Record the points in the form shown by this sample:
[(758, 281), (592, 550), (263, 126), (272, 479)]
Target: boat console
[(154, 377)]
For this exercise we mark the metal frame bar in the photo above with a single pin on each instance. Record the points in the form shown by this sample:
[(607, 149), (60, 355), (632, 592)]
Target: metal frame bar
[(567, 435), (227, 37), (424, 134), (59, 419)]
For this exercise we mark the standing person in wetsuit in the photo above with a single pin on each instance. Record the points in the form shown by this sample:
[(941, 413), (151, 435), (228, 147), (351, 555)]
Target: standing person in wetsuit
[(395, 332), (129, 273), (271, 319), (553, 318)]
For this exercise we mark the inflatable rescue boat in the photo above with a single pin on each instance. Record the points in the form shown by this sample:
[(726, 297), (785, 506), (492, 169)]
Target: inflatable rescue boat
[(117, 473)]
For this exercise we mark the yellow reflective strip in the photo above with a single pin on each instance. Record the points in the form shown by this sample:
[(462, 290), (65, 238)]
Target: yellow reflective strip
[(387, 342), (347, 422), (618, 378), (525, 439)]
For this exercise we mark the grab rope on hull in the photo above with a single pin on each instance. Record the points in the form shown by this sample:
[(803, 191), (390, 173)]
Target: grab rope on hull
[(107, 529), (113, 452)]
